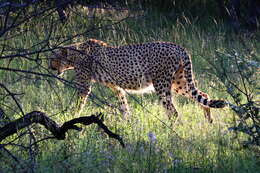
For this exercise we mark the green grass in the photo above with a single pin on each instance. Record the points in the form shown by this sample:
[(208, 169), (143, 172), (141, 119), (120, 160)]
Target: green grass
[(191, 145)]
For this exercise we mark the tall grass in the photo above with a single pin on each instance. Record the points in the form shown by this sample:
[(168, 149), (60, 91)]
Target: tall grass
[(192, 145)]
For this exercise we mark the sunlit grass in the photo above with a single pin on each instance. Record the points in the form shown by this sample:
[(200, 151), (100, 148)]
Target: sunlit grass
[(190, 145)]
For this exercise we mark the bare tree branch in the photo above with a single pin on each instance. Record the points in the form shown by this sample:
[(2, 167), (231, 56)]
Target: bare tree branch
[(59, 132)]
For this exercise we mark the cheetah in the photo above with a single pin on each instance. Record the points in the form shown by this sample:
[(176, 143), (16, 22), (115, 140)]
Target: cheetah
[(165, 66)]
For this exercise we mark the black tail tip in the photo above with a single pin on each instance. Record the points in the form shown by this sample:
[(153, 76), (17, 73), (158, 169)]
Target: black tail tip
[(217, 104)]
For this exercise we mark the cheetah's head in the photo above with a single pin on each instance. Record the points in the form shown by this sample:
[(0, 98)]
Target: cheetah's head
[(59, 61)]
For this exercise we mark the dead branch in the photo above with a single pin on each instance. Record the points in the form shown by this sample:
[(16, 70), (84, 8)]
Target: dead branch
[(59, 132)]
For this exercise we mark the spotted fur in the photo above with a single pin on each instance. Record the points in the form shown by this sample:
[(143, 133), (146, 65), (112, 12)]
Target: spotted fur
[(163, 65)]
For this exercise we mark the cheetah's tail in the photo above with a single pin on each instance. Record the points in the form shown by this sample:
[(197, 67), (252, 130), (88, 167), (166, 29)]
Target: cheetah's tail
[(194, 92), (196, 95)]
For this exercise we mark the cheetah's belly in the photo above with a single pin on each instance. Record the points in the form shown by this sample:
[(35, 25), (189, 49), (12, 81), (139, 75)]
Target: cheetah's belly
[(135, 83), (147, 89), (132, 85)]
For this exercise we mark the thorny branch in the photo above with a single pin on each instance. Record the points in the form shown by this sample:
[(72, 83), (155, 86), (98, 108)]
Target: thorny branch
[(239, 80)]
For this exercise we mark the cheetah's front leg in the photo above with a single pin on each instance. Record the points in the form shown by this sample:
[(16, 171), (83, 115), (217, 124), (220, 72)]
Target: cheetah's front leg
[(121, 95), (81, 102), (83, 86)]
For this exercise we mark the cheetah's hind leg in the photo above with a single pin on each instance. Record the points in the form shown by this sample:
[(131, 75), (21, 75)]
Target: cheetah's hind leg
[(205, 109), (180, 86), (163, 90)]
